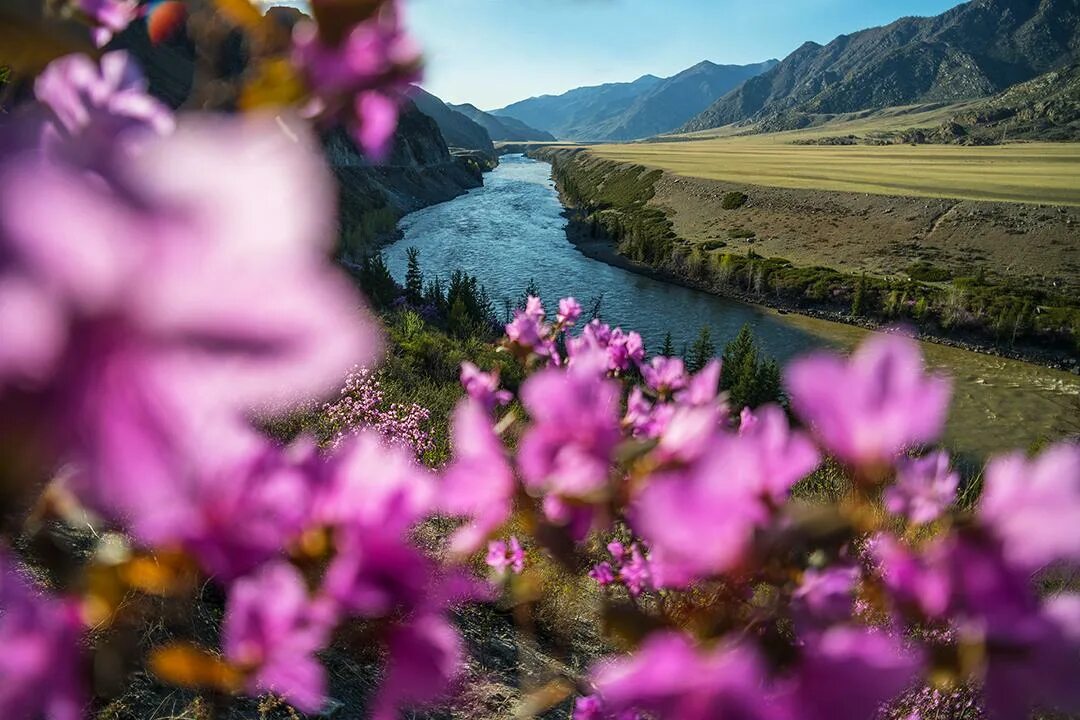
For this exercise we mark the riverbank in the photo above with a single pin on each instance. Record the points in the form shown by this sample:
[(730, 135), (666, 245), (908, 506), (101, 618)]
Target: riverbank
[(593, 231)]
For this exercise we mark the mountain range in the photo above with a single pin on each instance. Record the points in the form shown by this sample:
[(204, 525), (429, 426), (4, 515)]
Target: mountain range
[(974, 50), (626, 111), (503, 129), (459, 130)]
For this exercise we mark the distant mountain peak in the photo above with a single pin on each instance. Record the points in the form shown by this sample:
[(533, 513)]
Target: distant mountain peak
[(647, 106)]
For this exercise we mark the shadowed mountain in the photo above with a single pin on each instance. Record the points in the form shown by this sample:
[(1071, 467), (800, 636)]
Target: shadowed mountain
[(627, 111), (503, 129), (976, 49), (459, 131)]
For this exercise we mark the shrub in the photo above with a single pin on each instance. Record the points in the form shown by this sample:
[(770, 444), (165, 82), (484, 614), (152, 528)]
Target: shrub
[(734, 200)]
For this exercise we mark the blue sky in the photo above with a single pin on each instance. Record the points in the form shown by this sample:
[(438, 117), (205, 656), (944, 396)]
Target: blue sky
[(494, 52)]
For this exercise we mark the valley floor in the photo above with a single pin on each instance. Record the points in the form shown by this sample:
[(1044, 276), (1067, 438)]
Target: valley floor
[(1046, 173)]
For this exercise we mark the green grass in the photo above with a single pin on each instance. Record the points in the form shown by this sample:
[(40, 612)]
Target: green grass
[(1030, 172)]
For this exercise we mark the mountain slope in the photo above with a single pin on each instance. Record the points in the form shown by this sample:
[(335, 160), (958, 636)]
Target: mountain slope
[(572, 114), (457, 129), (976, 49), (503, 129), (1046, 108), (627, 111)]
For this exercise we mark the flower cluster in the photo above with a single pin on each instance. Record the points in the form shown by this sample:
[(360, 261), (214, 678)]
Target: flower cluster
[(358, 64), (362, 404), (627, 567), (150, 305)]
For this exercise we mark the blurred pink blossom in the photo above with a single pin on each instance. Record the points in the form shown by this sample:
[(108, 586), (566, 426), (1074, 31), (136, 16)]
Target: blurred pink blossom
[(1033, 506), (869, 408), (40, 636), (924, 488), (479, 483), (273, 628), (364, 78)]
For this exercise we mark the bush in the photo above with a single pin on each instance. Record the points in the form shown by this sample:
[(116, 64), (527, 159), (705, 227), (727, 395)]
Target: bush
[(927, 272), (734, 200)]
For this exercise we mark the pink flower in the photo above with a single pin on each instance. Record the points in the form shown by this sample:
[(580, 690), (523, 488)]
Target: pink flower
[(871, 407), (924, 488), (479, 483), (623, 350), (40, 668), (503, 557), (643, 418), (602, 573), (110, 16), (670, 678), (376, 572), (914, 581), (425, 655), (567, 451), (98, 108), (665, 375), (130, 338), (703, 387), (363, 76), (569, 311), (273, 629), (635, 572), (529, 332), (827, 595), (483, 387), (232, 507), (1033, 506), (847, 673), (687, 432), (698, 521), (362, 404), (370, 483)]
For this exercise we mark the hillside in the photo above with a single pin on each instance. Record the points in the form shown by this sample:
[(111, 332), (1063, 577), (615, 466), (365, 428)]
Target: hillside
[(1046, 108), (502, 129), (974, 50), (459, 131), (627, 111)]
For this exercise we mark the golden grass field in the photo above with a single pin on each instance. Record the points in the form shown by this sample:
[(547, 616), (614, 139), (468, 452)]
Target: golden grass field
[(1014, 172)]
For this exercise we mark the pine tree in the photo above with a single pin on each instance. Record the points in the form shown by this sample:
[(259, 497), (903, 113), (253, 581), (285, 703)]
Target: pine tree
[(669, 347), (414, 278), (749, 381), (702, 351), (858, 303), (531, 290)]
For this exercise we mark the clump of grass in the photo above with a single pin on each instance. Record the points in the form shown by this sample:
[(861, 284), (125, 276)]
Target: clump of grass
[(734, 200), (741, 233), (928, 272)]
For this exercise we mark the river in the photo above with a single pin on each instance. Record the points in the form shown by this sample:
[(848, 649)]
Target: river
[(512, 230)]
